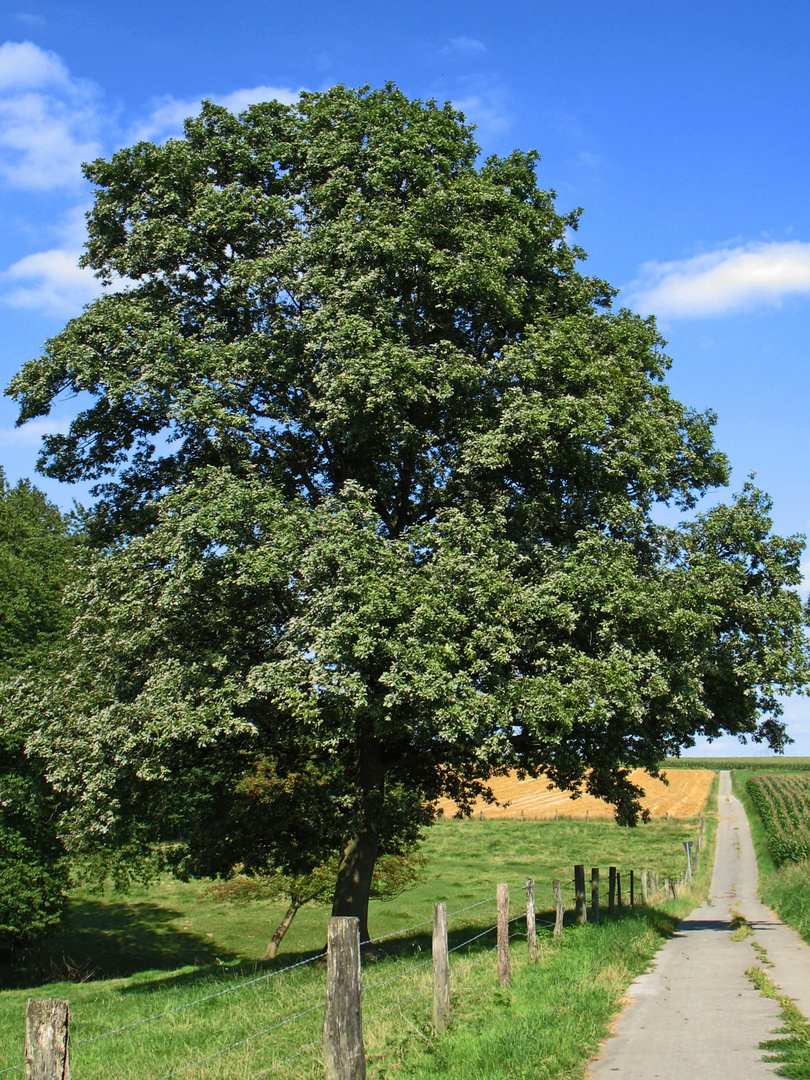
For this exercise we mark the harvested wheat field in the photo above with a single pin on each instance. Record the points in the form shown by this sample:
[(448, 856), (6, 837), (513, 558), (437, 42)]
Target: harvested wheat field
[(684, 796)]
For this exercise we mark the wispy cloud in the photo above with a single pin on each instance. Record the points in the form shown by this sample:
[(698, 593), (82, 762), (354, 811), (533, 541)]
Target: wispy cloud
[(26, 18), (50, 122), (485, 105), (463, 45), (722, 281), (166, 115)]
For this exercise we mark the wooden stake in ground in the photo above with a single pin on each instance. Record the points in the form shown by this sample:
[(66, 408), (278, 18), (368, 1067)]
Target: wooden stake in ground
[(531, 923), (558, 922), (579, 890), (644, 887), (47, 1051), (343, 1050), (632, 888), (504, 961), (595, 895), (612, 891), (441, 970), (618, 888)]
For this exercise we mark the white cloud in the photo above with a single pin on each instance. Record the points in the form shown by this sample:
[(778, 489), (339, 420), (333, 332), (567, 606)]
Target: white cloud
[(50, 122), (722, 281), (167, 113), (30, 433), (51, 282)]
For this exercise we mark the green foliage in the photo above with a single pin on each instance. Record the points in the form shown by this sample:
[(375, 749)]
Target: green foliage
[(783, 804), (376, 466), (37, 558)]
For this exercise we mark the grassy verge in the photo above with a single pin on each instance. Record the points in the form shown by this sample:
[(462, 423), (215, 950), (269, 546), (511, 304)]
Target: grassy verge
[(791, 1047), (173, 975)]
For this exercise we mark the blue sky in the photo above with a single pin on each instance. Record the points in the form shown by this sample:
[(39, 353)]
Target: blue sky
[(681, 129)]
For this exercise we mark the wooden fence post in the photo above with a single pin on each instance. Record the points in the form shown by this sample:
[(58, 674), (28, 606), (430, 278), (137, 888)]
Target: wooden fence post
[(644, 887), (531, 922), (618, 888), (343, 1050), (612, 891), (632, 888), (504, 961), (441, 970), (47, 1050), (579, 889), (595, 894), (558, 922)]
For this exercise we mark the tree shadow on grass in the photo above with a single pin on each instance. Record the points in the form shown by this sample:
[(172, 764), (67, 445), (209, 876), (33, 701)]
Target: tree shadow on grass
[(104, 939)]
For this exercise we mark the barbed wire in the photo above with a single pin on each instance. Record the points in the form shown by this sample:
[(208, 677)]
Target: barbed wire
[(198, 1001), (11, 1068), (243, 1042)]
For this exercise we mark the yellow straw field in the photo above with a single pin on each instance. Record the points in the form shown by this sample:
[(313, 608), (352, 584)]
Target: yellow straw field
[(684, 796)]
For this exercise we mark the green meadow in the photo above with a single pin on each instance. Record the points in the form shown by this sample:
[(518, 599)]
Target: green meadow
[(173, 974)]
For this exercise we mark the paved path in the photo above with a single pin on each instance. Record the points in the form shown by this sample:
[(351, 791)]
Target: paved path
[(695, 1014)]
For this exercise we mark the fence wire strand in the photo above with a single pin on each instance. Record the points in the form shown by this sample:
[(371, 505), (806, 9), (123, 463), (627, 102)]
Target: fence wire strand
[(198, 1001), (470, 940), (243, 1042)]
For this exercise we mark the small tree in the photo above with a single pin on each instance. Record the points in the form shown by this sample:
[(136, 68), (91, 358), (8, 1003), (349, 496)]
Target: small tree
[(392, 876)]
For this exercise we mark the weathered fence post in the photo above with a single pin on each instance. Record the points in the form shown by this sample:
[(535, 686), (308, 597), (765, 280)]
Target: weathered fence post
[(644, 887), (521, 815), (579, 889), (343, 1051), (531, 922), (595, 894), (441, 969), (504, 961), (618, 888), (556, 813), (632, 888), (558, 922), (47, 1050)]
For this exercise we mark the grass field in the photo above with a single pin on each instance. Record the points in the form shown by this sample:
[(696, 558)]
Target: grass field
[(167, 951)]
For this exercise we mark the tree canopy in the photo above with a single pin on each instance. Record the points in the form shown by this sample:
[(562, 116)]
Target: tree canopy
[(377, 467)]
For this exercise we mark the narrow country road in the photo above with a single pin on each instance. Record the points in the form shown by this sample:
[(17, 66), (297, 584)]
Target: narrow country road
[(695, 1014)]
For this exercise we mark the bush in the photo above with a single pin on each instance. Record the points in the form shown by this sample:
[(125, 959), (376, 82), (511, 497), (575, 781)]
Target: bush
[(32, 888)]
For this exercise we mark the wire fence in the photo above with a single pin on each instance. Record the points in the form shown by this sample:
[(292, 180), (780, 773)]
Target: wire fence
[(410, 982)]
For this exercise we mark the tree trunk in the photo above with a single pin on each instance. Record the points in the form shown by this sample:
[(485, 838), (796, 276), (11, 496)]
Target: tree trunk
[(272, 949), (356, 869), (354, 878)]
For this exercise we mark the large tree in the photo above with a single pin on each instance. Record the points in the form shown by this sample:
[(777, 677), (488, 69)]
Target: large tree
[(377, 467)]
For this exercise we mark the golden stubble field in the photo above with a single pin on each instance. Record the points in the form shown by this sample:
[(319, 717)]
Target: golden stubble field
[(683, 797)]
